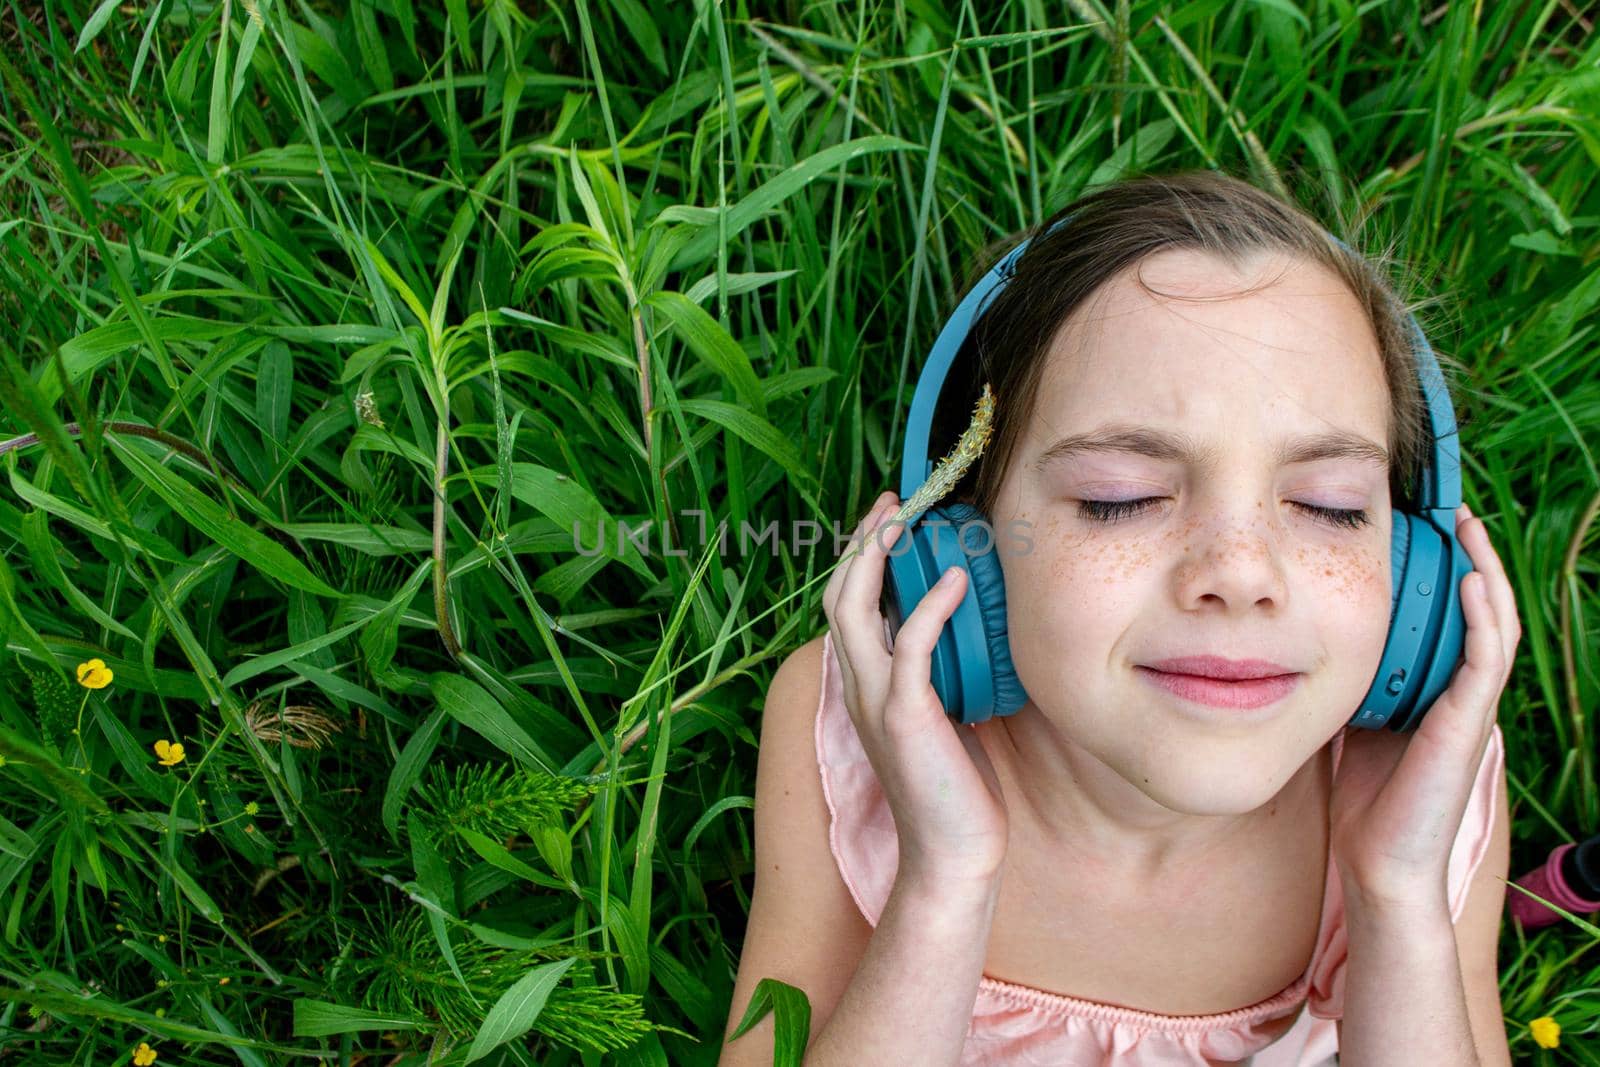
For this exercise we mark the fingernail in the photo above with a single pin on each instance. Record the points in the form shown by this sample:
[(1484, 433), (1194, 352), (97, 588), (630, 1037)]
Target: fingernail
[(949, 576)]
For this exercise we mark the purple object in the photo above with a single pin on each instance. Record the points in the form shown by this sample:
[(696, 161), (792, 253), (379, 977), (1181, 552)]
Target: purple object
[(1554, 881)]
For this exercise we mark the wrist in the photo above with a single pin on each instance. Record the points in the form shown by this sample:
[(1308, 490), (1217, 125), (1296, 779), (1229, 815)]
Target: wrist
[(964, 893), (1390, 895), (1400, 912)]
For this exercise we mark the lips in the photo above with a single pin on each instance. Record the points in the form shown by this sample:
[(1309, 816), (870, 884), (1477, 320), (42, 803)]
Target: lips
[(1228, 670), (1239, 695)]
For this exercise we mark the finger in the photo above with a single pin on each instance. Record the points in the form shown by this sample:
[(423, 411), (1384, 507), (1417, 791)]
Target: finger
[(849, 555), (1458, 726), (859, 596), (842, 627), (911, 672), (1474, 692), (1474, 536), (1502, 595)]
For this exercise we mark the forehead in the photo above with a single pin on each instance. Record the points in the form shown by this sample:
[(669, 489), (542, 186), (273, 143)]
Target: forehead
[(1278, 346)]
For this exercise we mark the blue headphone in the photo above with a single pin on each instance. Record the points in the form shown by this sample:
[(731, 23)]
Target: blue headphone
[(972, 670)]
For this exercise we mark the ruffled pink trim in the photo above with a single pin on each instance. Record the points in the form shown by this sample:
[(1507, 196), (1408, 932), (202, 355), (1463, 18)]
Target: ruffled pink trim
[(1274, 1007)]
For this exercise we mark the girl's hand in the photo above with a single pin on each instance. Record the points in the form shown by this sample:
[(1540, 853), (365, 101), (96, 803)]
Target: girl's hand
[(1398, 799), (942, 790)]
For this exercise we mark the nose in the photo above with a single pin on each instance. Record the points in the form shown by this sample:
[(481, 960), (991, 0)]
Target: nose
[(1234, 564)]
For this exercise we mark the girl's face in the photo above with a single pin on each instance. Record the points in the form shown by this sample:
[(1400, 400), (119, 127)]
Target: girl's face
[(1210, 393)]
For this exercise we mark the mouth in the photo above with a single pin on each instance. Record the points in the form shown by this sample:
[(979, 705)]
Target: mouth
[(1240, 694), (1227, 670)]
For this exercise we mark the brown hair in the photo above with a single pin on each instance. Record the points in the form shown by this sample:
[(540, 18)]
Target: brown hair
[(1117, 226)]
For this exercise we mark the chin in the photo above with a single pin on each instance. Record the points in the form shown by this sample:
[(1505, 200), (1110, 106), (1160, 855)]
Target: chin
[(1218, 789)]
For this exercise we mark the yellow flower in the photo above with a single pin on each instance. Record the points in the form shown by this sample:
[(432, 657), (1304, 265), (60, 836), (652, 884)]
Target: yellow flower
[(94, 674), (1546, 1031), (170, 753), (144, 1055)]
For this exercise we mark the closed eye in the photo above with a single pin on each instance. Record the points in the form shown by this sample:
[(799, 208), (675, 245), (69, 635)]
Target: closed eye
[(1108, 511)]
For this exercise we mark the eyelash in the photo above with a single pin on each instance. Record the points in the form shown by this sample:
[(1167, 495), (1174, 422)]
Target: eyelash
[(1113, 510)]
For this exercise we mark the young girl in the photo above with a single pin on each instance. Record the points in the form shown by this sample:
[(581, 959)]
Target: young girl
[(1123, 871)]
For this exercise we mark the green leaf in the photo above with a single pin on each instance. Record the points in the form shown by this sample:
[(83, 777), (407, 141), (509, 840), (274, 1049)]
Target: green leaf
[(498, 855), (135, 759), (97, 22), (74, 1006), (46, 552), (565, 502), (71, 785), (408, 768), (272, 660), (555, 848), (274, 390), (397, 283), (763, 436), (514, 1013), (371, 540), (791, 1023), (207, 516), (369, 40), (138, 538), (319, 1018), (434, 878), (566, 339), (1284, 7), (85, 353), (197, 896), (14, 624), (715, 347), (641, 26), (217, 116), (779, 189), (475, 709)]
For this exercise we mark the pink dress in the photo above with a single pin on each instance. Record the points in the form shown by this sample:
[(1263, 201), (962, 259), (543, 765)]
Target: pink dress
[(1019, 1026)]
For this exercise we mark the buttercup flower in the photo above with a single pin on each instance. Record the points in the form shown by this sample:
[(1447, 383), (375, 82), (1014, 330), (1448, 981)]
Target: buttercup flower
[(170, 753), (144, 1055), (94, 674), (1546, 1031)]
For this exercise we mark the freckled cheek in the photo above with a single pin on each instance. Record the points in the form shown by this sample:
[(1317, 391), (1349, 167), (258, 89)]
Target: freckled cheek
[(1355, 573), (1062, 562)]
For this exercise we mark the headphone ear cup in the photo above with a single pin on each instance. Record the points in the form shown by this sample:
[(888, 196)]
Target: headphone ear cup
[(987, 595), (1427, 628)]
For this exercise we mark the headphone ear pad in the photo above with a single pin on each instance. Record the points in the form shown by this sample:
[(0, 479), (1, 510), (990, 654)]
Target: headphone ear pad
[(1399, 550), (988, 590)]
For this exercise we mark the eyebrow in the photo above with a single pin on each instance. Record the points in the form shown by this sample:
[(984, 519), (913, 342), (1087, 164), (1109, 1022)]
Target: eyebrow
[(1167, 445)]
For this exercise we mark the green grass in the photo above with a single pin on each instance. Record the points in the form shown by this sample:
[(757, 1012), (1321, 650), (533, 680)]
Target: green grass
[(360, 306)]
